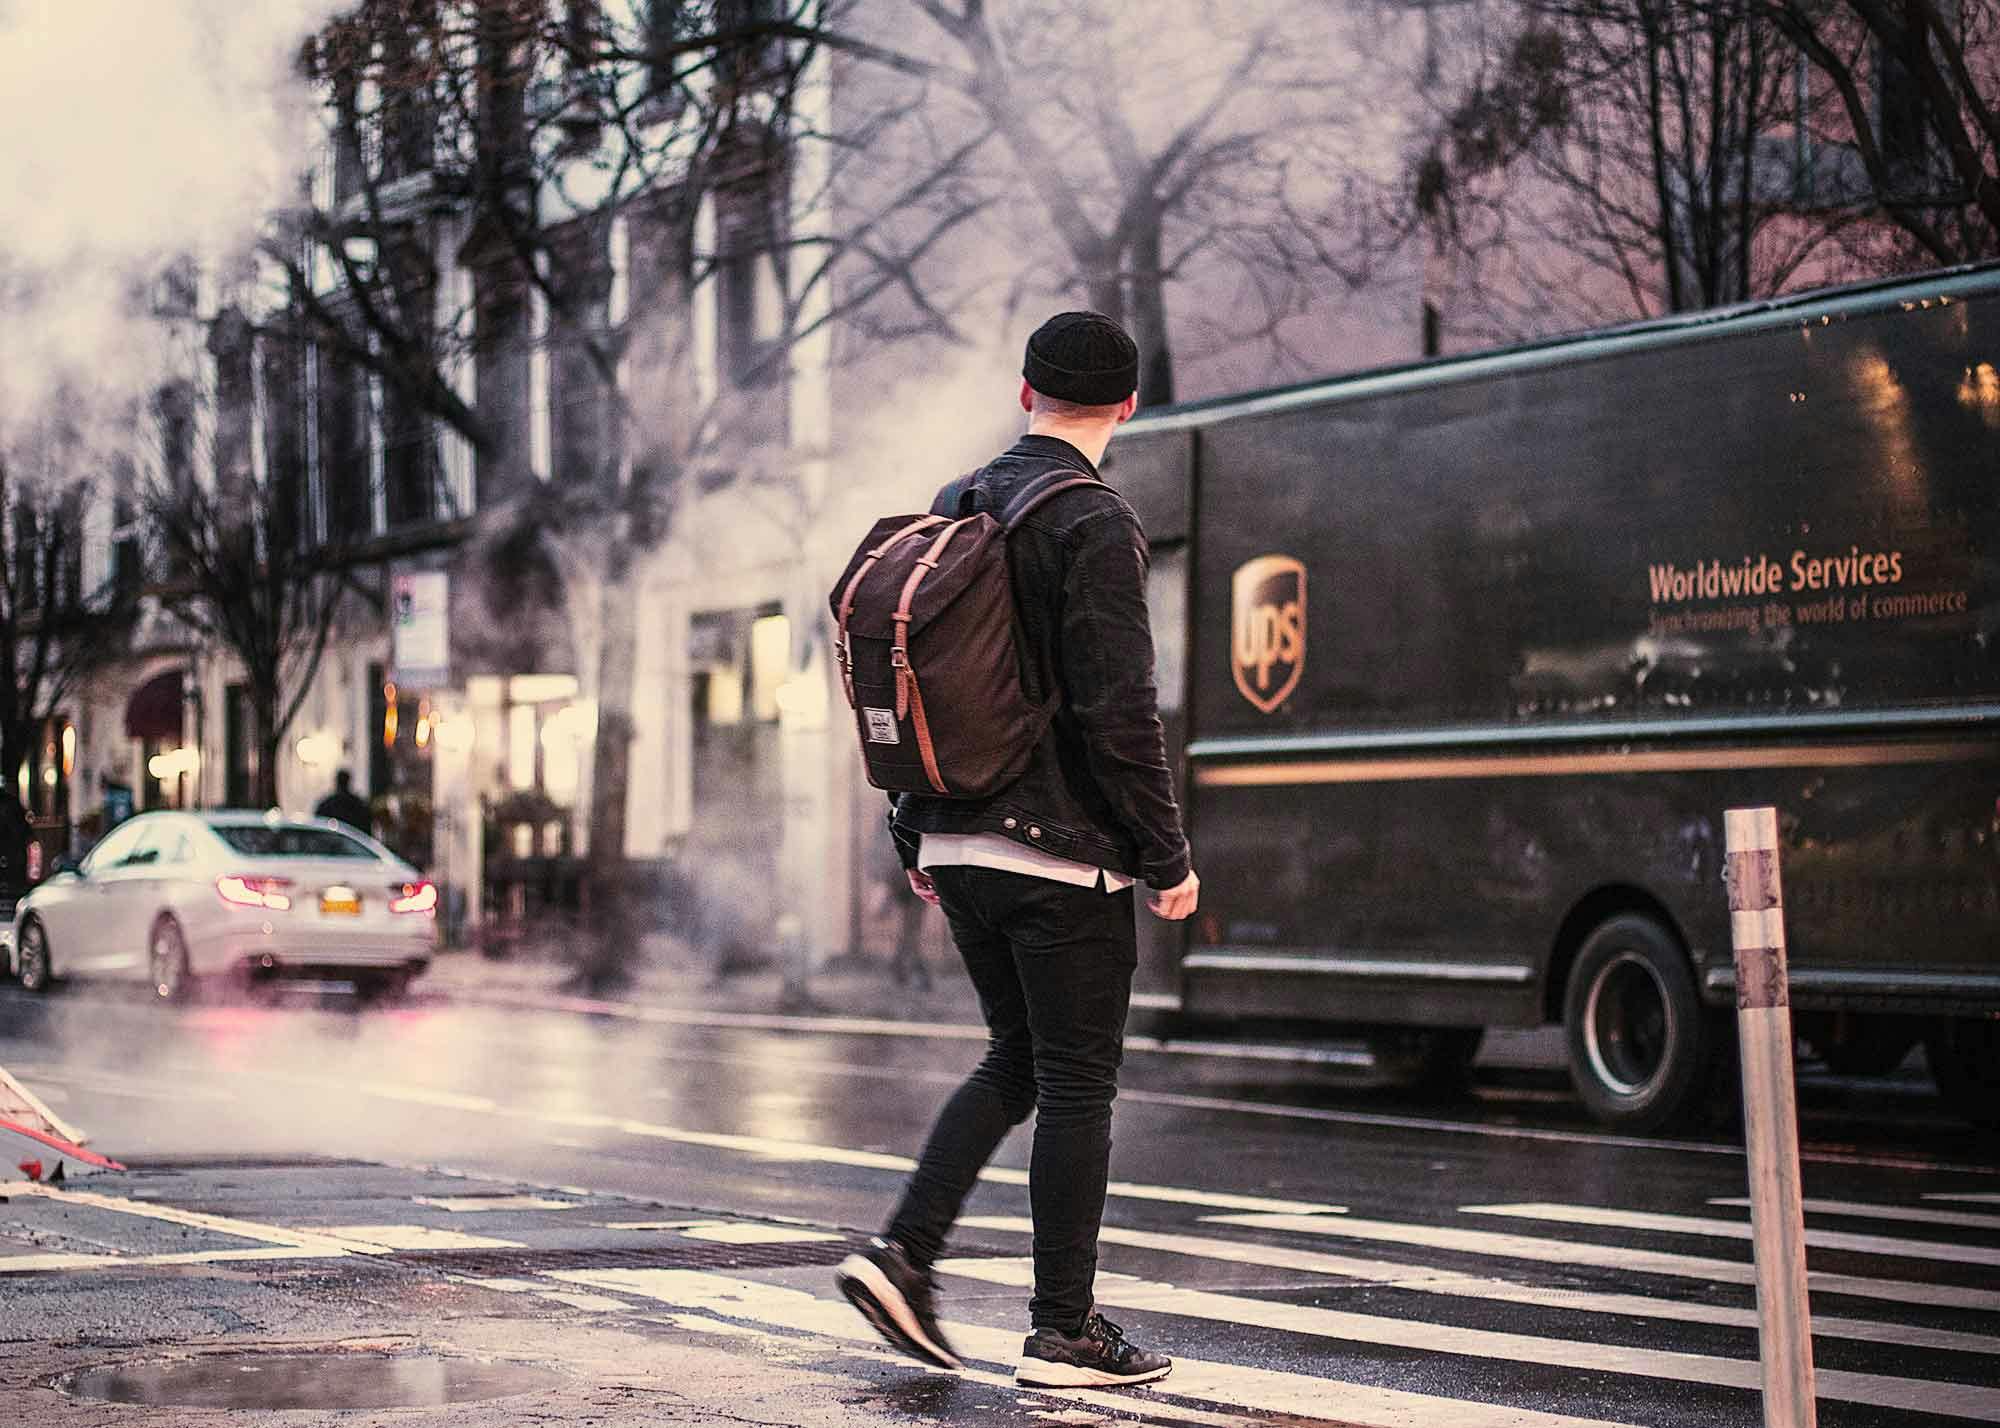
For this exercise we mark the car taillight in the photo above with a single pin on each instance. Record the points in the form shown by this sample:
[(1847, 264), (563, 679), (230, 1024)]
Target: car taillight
[(266, 893), (413, 897)]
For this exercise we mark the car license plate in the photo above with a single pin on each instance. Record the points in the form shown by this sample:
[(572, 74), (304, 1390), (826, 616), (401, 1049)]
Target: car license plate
[(340, 902)]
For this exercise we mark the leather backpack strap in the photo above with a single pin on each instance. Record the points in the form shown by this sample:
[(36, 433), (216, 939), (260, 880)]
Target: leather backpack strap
[(909, 698), (1042, 488), (854, 585)]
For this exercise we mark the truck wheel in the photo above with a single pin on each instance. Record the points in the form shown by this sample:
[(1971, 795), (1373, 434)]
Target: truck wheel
[(1638, 1040), (1431, 1058), (31, 958), (1964, 1053)]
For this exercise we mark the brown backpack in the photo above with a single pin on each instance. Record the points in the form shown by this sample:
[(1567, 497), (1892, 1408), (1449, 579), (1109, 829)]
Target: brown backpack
[(928, 654)]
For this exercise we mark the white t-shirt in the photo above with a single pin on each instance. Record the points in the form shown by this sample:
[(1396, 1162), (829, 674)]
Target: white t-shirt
[(991, 850)]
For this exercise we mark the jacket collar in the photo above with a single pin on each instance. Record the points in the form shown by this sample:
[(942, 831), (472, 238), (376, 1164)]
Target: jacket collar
[(1053, 448)]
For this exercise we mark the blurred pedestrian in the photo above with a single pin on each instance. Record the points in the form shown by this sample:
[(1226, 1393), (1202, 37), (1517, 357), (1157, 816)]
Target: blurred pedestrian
[(346, 805), (1036, 882)]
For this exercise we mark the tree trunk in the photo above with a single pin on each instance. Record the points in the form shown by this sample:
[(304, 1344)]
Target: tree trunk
[(264, 708), (1149, 318)]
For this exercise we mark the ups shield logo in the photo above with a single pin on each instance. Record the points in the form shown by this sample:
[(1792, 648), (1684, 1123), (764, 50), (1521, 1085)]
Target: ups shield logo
[(1268, 615)]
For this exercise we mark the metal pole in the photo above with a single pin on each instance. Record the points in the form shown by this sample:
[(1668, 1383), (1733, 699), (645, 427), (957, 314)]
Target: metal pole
[(1770, 1116)]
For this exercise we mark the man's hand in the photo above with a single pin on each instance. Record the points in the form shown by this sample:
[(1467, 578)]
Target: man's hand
[(921, 885), (1177, 903)]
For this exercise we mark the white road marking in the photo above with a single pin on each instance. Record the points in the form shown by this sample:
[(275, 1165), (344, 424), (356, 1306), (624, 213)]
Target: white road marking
[(591, 1303), (423, 1096), (806, 1153), (1737, 1230), (1615, 1257), (728, 1233), (1859, 1210), (415, 1237), (539, 1288), (101, 1083), (1878, 1390), (478, 1204), (1420, 1279), (318, 1242), (32, 1263), (1965, 1198), (1267, 1390), (960, 1031), (646, 1224)]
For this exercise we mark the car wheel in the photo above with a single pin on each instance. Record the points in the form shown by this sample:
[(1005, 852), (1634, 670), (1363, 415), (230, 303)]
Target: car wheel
[(1964, 1053), (1639, 1041), (31, 957), (167, 962)]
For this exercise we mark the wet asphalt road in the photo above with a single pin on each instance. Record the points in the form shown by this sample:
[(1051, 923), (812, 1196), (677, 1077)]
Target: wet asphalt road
[(1312, 1236)]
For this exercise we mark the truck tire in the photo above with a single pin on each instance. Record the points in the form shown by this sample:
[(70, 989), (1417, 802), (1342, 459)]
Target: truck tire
[(1964, 1053), (1640, 1042)]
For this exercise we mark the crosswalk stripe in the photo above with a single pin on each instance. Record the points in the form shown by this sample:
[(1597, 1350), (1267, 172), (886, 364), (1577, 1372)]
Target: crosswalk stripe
[(1876, 1390), (1617, 1257), (1737, 1230), (1966, 1197), (1433, 1281), (1233, 1385), (1859, 1210)]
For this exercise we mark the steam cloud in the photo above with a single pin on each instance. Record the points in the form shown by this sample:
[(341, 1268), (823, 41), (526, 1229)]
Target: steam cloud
[(137, 130)]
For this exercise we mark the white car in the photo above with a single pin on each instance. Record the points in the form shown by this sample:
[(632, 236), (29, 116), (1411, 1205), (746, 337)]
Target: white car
[(172, 897)]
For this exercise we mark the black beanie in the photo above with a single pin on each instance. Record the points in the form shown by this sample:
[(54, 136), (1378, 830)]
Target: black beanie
[(1082, 357)]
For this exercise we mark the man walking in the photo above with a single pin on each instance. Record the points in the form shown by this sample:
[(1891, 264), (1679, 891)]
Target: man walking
[(1036, 882)]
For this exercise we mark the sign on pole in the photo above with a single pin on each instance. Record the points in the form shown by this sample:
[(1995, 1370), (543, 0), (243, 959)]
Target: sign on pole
[(420, 630)]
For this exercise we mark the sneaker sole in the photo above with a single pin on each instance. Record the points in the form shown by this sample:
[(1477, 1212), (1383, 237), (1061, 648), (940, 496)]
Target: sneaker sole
[(1041, 1373), (870, 1292)]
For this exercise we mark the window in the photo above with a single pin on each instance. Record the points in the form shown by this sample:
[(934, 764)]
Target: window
[(27, 572), (406, 109), (173, 410), (667, 21), (112, 848), (290, 840), (580, 399), (751, 317), (344, 423)]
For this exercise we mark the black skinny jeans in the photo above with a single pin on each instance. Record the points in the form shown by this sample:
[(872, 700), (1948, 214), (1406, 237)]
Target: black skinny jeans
[(1052, 964)]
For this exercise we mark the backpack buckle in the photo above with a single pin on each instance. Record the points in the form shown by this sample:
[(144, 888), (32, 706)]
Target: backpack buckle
[(899, 657)]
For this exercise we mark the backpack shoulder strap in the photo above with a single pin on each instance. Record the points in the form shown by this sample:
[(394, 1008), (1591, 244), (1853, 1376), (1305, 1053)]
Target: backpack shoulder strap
[(1043, 487)]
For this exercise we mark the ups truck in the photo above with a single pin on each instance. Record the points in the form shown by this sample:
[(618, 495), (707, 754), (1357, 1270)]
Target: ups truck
[(1464, 661)]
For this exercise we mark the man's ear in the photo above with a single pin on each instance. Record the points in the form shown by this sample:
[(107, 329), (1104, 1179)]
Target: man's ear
[(1027, 397), (1127, 408)]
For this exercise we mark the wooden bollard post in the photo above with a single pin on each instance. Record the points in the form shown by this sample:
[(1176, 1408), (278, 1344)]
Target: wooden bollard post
[(1770, 1116)]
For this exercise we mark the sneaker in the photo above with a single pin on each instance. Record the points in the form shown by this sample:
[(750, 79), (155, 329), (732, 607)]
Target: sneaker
[(898, 1299), (1099, 1356)]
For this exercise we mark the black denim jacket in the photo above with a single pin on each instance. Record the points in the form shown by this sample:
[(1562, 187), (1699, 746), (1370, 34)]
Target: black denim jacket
[(1097, 789)]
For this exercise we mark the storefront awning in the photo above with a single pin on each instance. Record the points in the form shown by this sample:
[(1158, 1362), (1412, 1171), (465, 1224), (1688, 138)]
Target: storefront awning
[(154, 710)]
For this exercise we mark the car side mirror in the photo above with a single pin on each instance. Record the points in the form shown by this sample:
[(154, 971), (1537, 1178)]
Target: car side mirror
[(67, 864)]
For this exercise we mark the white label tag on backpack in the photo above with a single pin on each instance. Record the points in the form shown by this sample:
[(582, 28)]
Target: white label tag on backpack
[(881, 726)]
